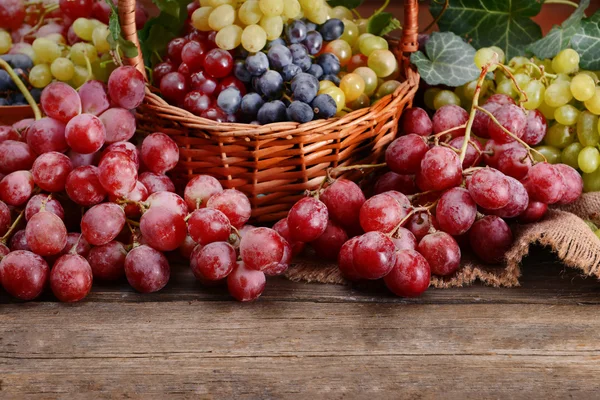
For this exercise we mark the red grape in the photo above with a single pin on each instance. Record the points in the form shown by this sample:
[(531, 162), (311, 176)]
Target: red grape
[(5, 219), (200, 81), (346, 260), (193, 54), (174, 48), (535, 128), (46, 234), (108, 261), (19, 241), (174, 87), (126, 87), (196, 102), (46, 135), (50, 171), (16, 188), (573, 183), (260, 248), (456, 211), (23, 274), (514, 162), (307, 220), (416, 120), (482, 120), (138, 194), (545, 183), (517, 203), (163, 229), (215, 114), (207, 225), (512, 118), (78, 242), (410, 275), (147, 270), (449, 117), (489, 188), (533, 213), (233, 82), (117, 173), (374, 255), (21, 127), (71, 278), (15, 156), (159, 153), (490, 239), (283, 229), (4, 250), (79, 160), (328, 245), (493, 150), (83, 186), (119, 124), (156, 183), (85, 134), (60, 101), (420, 224), (440, 169), (473, 154), (344, 199), (94, 99), (9, 133), (392, 181), (34, 205), (245, 284), (200, 189), (76, 8), (404, 239), (441, 252), (102, 223), (218, 63), (234, 204), (214, 261), (126, 148), (383, 212), (187, 247), (12, 14), (404, 155), (160, 71), (280, 268), (168, 200), (501, 99)]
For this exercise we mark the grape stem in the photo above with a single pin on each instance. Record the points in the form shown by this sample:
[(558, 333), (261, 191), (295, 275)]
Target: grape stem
[(383, 7), (447, 131), (36, 110), (567, 2), (471, 170), (412, 197), (541, 71), (236, 232), (436, 19), (131, 223), (88, 66), (523, 98), (509, 133), (47, 10), (8, 234), (74, 248), (412, 212), (337, 170)]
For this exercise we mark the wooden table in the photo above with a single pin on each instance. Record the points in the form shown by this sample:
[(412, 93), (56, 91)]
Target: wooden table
[(309, 341)]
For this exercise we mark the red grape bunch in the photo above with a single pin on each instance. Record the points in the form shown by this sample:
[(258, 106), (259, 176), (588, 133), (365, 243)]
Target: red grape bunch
[(431, 207)]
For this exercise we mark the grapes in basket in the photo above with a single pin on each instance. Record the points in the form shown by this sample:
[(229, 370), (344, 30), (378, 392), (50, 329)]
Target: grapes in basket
[(266, 61), (55, 41)]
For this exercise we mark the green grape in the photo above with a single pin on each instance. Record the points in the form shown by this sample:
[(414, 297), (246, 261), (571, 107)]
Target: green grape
[(460, 92), (593, 104), (217, 3), (470, 87), (361, 38), (547, 64), (205, 3), (383, 62), (372, 43), (81, 76), (518, 62), (566, 62), (27, 49), (560, 136), (254, 38), (271, 8), (103, 67), (338, 95), (522, 79), (547, 111), (591, 182), (56, 38), (508, 88), (587, 129), (566, 115), (317, 15), (40, 76), (325, 84), (429, 95), (583, 87), (46, 50), (558, 94), (369, 77), (310, 4), (5, 42), (535, 91), (570, 153), (552, 154), (591, 74), (562, 78), (341, 49), (84, 28), (273, 26), (230, 37), (200, 16), (341, 12), (363, 101), (291, 9), (221, 17), (100, 39), (350, 34), (386, 88), (588, 159), (79, 51), (484, 56), (445, 97), (62, 69)]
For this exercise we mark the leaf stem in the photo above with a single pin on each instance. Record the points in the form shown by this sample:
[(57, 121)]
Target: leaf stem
[(36, 110), (12, 228), (567, 2), (383, 7), (436, 19)]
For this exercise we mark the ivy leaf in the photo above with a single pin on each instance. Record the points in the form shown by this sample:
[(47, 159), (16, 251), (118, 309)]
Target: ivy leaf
[(484, 23), (559, 37), (171, 7), (586, 42), (449, 60), (345, 3), (382, 23)]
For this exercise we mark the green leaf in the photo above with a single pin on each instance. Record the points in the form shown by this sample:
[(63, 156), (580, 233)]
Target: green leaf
[(115, 38), (559, 37), (449, 60), (171, 7), (586, 42), (382, 23), (345, 3), (503, 23)]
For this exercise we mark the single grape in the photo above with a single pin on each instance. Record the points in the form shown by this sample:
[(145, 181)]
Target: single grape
[(535, 128), (50, 171), (450, 118), (588, 159), (545, 183), (583, 87), (514, 162), (307, 219), (156, 183), (94, 99), (234, 204), (163, 228), (344, 199), (489, 188), (200, 189), (23, 274), (324, 106), (410, 275), (159, 153), (71, 278), (374, 255), (119, 124), (404, 239), (441, 252), (213, 262), (270, 84), (558, 94), (218, 63), (518, 202), (146, 269), (404, 154), (207, 225), (46, 135), (262, 248), (384, 212), (566, 62), (126, 148), (108, 261), (511, 118), (533, 213), (61, 102), (313, 42), (83, 186), (456, 211), (328, 245), (46, 233), (490, 239), (245, 284), (440, 169), (117, 173), (587, 129), (535, 91), (16, 188), (415, 120), (126, 87), (404, 184), (102, 223), (570, 155), (254, 38), (85, 134), (174, 87), (15, 156)]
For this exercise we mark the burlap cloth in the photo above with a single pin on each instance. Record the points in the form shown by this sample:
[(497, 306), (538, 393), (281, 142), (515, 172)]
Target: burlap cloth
[(563, 231)]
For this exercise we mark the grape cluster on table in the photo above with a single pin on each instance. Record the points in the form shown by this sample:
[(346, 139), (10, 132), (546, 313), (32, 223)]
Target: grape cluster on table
[(259, 63)]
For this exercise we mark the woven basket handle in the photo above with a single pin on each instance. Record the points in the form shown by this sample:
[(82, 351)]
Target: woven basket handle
[(409, 43)]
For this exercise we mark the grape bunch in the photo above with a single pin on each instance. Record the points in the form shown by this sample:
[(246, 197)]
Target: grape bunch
[(442, 196), (563, 99)]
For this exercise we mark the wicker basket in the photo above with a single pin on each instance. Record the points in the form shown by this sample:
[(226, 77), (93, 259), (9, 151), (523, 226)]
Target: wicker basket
[(275, 164)]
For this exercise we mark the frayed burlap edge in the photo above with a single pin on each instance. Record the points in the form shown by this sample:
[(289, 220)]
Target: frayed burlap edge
[(562, 231)]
